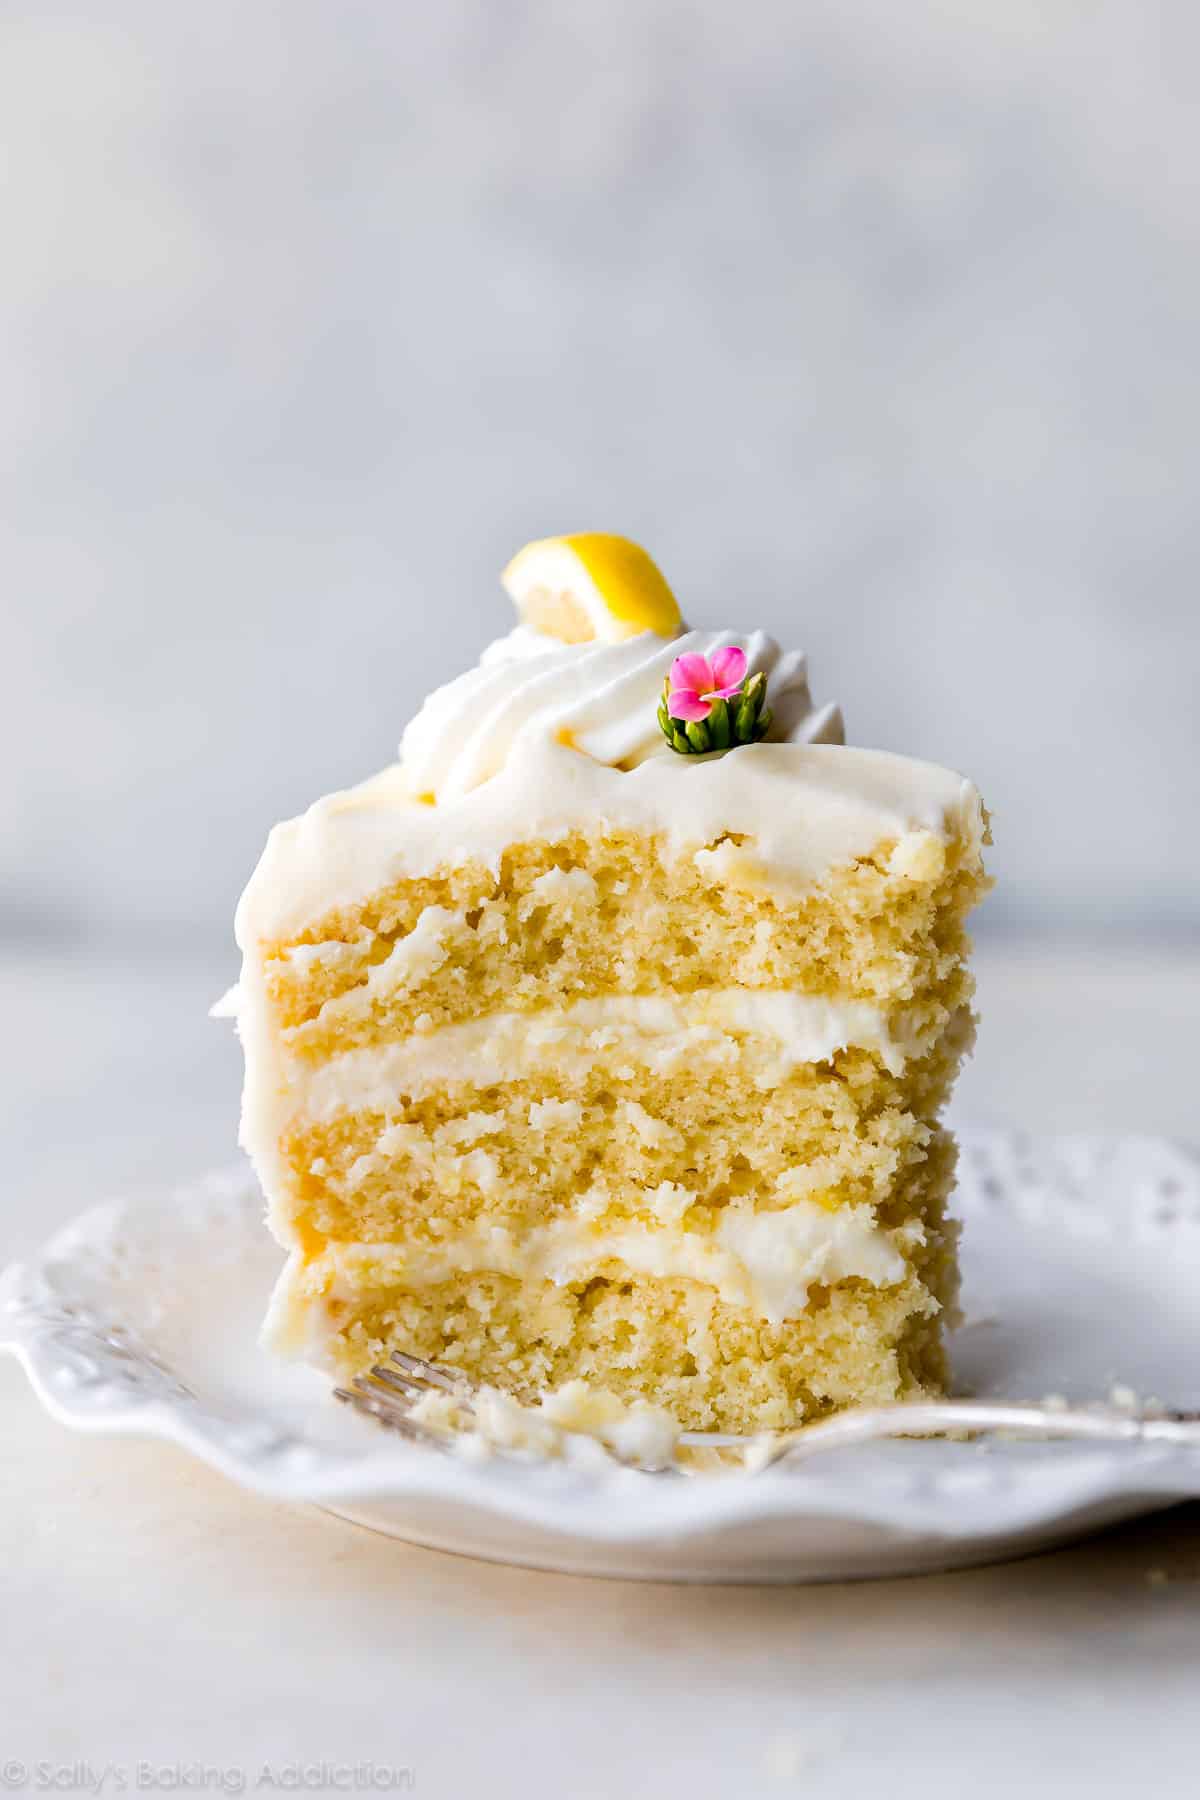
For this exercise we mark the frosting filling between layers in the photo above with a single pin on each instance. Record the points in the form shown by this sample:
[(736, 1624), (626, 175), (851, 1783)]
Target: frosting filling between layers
[(657, 1032), (764, 1262)]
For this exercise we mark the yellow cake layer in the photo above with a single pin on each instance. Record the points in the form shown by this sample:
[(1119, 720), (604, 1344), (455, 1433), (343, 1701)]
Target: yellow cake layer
[(619, 914), (841, 1133), (673, 1343)]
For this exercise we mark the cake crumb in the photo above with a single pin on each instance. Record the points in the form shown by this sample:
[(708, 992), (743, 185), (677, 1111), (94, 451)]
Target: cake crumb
[(759, 1453), (488, 1419)]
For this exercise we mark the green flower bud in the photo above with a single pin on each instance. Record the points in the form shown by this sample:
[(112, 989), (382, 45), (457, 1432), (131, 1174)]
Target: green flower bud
[(756, 690), (745, 718), (720, 729)]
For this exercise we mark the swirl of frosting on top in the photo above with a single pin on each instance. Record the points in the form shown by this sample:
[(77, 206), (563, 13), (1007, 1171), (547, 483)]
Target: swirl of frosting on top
[(599, 699)]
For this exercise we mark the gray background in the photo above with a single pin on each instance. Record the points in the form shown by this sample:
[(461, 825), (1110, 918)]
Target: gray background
[(875, 322)]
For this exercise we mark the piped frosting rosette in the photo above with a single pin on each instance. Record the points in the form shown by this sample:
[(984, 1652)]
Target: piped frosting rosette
[(600, 699)]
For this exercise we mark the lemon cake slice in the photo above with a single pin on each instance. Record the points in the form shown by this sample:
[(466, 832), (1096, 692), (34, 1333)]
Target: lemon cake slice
[(605, 1035)]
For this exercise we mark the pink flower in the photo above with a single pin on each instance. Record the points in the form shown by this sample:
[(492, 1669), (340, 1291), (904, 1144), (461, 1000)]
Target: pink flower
[(696, 681)]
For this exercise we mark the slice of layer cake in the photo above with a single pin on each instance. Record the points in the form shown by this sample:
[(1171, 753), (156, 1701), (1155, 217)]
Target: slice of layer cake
[(573, 1051)]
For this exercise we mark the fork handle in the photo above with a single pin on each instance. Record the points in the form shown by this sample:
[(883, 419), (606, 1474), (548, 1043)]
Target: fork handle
[(935, 1418)]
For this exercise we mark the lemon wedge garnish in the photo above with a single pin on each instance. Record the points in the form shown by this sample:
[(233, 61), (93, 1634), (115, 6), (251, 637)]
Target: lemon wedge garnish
[(590, 587)]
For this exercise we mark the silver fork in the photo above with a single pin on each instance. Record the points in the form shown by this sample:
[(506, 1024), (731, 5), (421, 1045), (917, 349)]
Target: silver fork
[(388, 1392)]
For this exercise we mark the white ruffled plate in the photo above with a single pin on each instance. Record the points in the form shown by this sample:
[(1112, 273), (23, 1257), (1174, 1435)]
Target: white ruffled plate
[(1082, 1268)]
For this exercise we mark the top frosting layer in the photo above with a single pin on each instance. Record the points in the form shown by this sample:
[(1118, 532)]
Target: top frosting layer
[(769, 815), (544, 738), (599, 699)]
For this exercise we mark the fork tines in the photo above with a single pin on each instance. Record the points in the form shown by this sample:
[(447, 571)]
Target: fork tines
[(427, 1373), (387, 1395)]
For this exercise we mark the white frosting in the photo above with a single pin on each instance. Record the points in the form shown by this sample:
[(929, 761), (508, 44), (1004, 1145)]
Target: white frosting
[(543, 738), (765, 1262), (602, 698), (655, 1032), (802, 810)]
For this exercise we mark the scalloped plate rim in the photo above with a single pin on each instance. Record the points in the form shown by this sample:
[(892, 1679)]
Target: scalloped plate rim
[(958, 1499)]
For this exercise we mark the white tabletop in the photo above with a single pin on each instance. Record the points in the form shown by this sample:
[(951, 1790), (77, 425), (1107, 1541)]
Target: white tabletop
[(155, 1615)]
